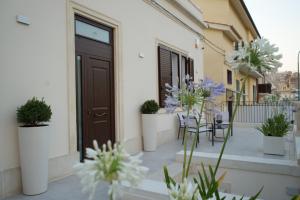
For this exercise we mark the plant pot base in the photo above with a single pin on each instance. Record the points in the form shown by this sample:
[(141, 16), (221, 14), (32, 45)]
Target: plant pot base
[(149, 132), (33, 143), (274, 145)]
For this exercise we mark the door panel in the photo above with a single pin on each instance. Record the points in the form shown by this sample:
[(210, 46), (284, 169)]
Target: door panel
[(99, 102), (97, 88)]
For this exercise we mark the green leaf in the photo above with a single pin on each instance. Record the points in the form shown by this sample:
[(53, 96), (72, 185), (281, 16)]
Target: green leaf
[(256, 196), (277, 126), (203, 188), (205, 176), (297, 197), (169, 180)]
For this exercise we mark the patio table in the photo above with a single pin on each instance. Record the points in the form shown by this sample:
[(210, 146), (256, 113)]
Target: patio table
[(221, 126)]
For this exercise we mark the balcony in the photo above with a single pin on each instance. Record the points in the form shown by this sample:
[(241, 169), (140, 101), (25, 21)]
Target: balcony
[(264, 88)]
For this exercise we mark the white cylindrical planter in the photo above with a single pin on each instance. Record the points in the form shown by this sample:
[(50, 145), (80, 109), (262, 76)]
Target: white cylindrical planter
[(33, 147), (273, 145), (149, 124)]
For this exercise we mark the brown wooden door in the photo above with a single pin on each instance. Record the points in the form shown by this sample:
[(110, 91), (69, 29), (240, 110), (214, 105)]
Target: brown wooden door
[(97, 86)]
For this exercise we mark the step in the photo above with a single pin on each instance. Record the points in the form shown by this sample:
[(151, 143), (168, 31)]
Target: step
[(247, 163)]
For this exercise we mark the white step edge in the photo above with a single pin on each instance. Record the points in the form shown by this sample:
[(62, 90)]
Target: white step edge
[(154, 190), (247, 163)]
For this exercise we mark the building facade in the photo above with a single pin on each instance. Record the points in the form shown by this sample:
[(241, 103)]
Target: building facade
[(229, 24), (284, 84), (95, 62)]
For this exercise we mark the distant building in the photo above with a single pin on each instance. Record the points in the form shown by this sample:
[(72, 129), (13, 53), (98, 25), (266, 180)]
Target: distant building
[(229, 23), (294, 81), (284, 84)]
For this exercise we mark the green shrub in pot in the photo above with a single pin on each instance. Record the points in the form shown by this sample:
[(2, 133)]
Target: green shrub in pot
[(34, 145), (34, 112), (149, 107), (276, 126)]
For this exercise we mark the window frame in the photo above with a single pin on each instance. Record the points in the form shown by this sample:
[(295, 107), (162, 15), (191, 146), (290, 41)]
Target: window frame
[(95, 24), (187, 68), (229, 77)]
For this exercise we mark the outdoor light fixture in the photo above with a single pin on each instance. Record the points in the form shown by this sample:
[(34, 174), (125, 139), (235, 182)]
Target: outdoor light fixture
[(23, 19), (197, 43), (141, 55)]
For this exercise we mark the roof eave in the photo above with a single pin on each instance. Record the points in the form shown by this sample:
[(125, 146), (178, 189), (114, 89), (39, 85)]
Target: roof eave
[(250, 17)]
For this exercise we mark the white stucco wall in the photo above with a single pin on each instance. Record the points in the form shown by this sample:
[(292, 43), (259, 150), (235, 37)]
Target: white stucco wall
[(34, 63)]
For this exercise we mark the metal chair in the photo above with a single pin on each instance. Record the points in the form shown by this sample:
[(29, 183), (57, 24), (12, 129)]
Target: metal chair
[(181, 124), (225, 121), (192, 125)]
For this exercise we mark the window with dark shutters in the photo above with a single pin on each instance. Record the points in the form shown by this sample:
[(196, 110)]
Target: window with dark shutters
[(171, 70), (236, 46), (164, 71), (229, 77)]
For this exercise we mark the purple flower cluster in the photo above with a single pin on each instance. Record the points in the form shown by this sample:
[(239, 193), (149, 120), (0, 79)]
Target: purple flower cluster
[(172, 100), (216, 89), (192, 93)]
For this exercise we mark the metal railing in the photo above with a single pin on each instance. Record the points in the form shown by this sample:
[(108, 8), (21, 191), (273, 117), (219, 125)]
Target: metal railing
[(253, 112)]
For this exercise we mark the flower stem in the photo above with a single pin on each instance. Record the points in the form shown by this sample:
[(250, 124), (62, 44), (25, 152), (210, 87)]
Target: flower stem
[(194, 141), (238, 98), (185, 142)]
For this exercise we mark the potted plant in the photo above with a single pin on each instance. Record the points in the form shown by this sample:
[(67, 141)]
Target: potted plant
[(273, 130), (149, 124), (33, 145)]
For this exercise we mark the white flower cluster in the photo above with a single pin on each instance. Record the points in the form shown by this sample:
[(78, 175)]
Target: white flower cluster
[(111, 164), (259, 55), (184, 191)]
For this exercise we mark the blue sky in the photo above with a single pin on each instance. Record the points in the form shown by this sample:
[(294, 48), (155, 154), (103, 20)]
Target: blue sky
[(279, 21)]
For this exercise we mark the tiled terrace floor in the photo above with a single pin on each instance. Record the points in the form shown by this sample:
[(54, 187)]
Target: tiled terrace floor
[(245, 141)]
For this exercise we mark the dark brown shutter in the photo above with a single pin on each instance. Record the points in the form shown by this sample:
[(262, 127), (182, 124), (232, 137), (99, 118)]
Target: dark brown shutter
[(191, 68), (164, 72), (229, 77), (236, 46), (186, 67)]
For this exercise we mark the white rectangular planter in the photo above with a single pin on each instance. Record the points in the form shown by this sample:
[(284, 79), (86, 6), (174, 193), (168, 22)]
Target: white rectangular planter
[(158, 129), (274, 145)]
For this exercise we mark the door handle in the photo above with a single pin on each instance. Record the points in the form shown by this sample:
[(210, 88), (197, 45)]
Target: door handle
[(100, 115), (89, 112)]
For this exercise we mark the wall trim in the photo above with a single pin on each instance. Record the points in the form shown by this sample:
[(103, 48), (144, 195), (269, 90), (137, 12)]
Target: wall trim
[(72, 9), (173, 17)]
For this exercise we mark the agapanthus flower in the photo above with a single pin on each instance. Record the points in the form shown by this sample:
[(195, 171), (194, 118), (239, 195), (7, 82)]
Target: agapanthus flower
[(259, 55), (215, 89), (172, 100), (184, 191), (191, 93), (111, 164)]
